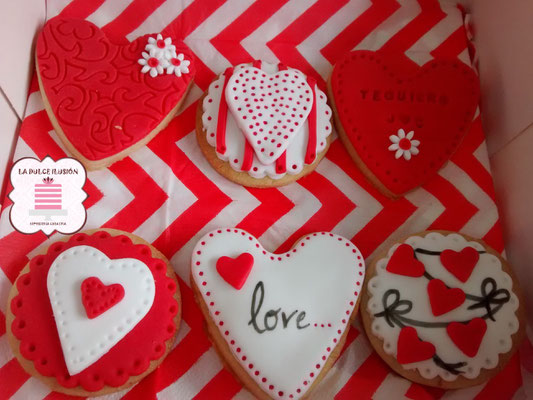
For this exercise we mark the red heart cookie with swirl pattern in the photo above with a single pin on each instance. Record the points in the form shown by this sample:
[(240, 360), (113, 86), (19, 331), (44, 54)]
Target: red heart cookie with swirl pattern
[(106, 99), (401, 122)]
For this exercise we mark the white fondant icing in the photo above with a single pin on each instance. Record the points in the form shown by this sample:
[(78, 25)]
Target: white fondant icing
[(85, 340), (235, 139), (497, 339), (269, 108), (322, 275), (404, 145)]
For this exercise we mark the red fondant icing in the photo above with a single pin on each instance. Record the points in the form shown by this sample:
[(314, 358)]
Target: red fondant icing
[(403, 262), (34, 325), (223, 115), (467, 337), (235, 271), (310, 153), (378, 93), (460, 263), (281, 163), (248, 157), (411, 349), (96, 90), (97, 298), (443, 299)]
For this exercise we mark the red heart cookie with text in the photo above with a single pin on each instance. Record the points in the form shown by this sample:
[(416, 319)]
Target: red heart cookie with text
[(285, 323), (106, 98), (401, 122)]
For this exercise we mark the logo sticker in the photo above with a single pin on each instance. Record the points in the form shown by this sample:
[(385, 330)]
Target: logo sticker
[(47, 195)]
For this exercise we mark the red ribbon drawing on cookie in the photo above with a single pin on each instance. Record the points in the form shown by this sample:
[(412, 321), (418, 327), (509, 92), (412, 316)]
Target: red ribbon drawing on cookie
[(235, 271), (97, 298)]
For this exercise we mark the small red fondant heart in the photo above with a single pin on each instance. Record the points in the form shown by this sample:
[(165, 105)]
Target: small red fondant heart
[(443, 299), (403, 262), (460, 263), (94, 87), (97, 298), (235, 271), (411, 349), (380, 98), (467, 337)]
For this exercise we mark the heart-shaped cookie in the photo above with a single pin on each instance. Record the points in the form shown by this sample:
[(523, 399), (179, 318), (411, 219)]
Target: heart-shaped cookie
[(400, 122), (280, 331), (106, 99), (269, 108)]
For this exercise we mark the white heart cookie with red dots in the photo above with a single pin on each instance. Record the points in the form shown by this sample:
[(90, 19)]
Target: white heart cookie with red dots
[(281, 317), (269, 108)]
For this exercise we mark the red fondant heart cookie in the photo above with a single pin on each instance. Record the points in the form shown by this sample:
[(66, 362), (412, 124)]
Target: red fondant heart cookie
[(460, 263), (403, 262), (400, 122), (467, 337), (443, 299), (280, 328), (94, 313), (106, 99), (411, 349)]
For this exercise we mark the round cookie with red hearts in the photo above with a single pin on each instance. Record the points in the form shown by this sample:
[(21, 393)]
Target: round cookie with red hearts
[(263, 125), (94, 313), (443, 309), (279, 321), (107, 97)]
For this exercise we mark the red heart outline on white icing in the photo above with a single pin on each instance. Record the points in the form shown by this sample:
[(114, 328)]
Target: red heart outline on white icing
[(284, 360), (269, 109)]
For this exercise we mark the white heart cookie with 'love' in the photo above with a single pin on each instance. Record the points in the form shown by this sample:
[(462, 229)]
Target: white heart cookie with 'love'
[(84, 340), (269, 109), (282, 315)]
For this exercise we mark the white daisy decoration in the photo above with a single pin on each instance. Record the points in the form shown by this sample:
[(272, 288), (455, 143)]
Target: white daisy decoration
[(404, 145), (162, 47), (178, 65), (152, 63)]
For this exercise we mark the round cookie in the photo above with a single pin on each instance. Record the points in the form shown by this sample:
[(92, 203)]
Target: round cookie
[(94, 313), (106, 98), (263, 125), (278, 321), (443, 309)]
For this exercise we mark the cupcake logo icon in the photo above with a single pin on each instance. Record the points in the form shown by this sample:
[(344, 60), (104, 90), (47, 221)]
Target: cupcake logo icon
[(48, 195)]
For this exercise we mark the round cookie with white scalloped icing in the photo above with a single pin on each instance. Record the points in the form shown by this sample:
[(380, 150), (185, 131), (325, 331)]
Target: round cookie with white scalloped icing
[(263, 125), (94, 313), (443, 309)]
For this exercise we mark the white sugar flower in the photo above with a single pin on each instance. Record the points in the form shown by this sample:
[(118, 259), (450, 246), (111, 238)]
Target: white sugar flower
[(404, 145), (178, 65), (152, 63), (163, 47)]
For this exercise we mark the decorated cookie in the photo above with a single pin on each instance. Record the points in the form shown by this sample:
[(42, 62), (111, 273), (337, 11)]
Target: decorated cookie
[(400, 122), (95, 313), (263, 125), (278, 320), (104, 98), (443, 309)]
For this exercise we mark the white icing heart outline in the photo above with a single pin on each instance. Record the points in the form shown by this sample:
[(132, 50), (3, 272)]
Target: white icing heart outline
[(288, 381), (84, 341), (255, 121)]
